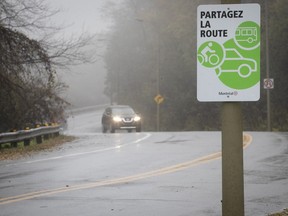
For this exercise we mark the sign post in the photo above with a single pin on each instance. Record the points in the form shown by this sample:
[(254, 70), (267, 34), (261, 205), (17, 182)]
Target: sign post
[(232, 160), (228, 70), (158, 99)]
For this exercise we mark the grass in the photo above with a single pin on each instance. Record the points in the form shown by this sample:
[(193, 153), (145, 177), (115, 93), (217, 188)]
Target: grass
[(21, 151)]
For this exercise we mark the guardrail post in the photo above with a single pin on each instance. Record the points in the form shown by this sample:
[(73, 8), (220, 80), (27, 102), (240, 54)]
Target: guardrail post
[(26, 142), (56, 134), (39, 139), (14, 144), (46, 136)]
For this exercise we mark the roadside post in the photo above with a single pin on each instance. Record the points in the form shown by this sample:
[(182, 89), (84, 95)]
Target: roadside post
[(158, 99), (228, 71)]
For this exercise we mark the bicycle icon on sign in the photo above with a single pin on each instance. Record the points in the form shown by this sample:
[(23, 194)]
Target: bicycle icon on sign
[(210, 54)]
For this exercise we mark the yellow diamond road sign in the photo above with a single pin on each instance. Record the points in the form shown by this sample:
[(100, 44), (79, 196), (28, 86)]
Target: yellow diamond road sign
[(158, 99)]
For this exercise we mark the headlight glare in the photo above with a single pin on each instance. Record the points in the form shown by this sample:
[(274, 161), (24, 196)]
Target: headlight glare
[(137, 118), (116, 119)]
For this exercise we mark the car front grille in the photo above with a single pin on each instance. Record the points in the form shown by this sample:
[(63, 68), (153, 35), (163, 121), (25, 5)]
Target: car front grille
[(127, 120)]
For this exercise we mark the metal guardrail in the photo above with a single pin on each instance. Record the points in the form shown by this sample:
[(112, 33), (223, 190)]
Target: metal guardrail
[(28, 135), (42, 132)]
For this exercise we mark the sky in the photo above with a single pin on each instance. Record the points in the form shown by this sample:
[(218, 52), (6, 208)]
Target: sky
[(86, 81), (81, 15)]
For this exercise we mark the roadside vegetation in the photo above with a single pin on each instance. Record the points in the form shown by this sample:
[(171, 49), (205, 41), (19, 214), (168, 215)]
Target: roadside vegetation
[(31, 52), (8, 153), (153, 46)]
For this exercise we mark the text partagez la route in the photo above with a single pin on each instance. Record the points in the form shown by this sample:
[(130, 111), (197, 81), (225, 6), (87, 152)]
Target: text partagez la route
[(221, 14)]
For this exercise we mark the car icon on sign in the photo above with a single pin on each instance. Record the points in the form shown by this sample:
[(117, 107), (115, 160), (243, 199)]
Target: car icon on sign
[(235, 62)]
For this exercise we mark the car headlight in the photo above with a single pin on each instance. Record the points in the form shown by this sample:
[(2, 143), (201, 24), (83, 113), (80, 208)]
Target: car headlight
[(117, 119), (137, 118)]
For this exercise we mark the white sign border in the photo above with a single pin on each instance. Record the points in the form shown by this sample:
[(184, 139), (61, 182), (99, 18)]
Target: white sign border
[(211, 89)]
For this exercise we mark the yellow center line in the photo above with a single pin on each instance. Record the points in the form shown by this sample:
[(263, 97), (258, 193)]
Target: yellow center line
[(247, 139)]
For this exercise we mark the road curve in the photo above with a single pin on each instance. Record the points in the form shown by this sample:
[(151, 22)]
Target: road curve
[(174, 168), (175, 173)]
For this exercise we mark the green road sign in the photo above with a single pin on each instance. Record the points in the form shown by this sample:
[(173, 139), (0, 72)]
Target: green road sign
[(228, 52)]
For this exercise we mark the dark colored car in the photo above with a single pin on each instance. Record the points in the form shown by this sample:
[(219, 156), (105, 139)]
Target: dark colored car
[(120, 117)]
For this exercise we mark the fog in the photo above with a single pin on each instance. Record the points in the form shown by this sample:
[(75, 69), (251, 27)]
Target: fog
[(86, 84), (85, 81)]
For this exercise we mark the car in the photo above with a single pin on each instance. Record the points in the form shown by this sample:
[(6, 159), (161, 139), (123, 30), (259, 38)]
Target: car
[(235, 62), (120, 117)]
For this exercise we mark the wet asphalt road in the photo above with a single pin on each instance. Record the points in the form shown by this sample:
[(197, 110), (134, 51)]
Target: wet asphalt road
[(123, 174)]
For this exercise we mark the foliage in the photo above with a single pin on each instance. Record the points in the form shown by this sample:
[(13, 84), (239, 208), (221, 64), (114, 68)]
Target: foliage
[(29, 85), (152, 51)]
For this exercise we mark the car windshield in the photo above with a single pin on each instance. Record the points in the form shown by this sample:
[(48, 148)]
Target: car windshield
[(123, 111), (232, 53)]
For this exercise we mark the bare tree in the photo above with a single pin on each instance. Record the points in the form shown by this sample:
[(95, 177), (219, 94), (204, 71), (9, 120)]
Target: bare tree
[(30, 17), (29, 56)]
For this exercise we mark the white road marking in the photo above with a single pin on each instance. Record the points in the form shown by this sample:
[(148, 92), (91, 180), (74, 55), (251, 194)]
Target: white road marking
[(147, 135)]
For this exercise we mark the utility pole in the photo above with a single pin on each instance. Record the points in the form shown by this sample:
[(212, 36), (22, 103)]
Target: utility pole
[(158, 83), (267, 68)]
